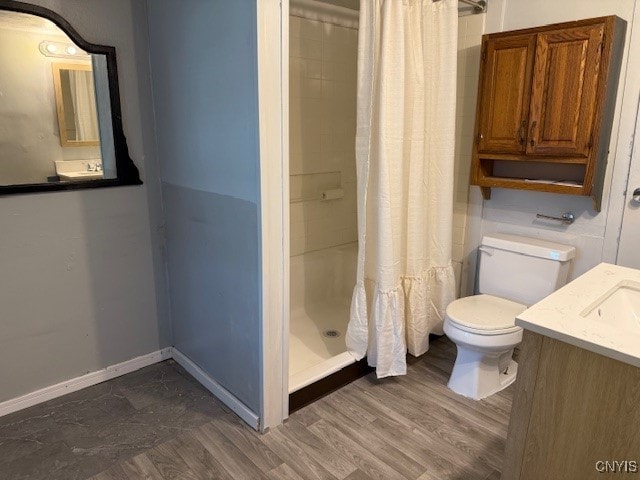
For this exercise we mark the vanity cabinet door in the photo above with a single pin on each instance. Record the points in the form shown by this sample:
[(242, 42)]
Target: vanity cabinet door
[(505, 92), (564, 91)]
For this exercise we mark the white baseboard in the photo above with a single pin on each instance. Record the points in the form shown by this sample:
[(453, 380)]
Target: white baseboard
[(84, 381), (226, 397), (113, 371)]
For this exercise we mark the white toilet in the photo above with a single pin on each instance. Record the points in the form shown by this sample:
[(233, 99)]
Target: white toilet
[(514, 273)]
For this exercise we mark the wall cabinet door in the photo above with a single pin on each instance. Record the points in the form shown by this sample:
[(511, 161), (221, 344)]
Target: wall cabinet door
[(563, 98), (506, 87)]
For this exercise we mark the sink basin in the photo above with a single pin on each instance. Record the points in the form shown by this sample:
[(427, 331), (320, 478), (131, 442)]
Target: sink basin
[(598, 311), (78, 176), (619, 307)]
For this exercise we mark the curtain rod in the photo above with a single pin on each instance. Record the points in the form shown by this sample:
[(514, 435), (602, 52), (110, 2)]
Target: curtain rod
[(324, 12), (479, 6)]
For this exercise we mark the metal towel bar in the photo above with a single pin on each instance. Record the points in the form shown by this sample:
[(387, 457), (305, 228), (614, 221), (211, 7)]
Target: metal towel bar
[(567, 218)]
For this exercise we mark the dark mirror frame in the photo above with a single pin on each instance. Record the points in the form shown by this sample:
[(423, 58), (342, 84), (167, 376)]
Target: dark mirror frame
[(127, 172)]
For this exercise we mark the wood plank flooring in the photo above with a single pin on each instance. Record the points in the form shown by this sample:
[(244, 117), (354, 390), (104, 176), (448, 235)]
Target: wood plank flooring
[(409, 427), (80, 434), (159, 423)]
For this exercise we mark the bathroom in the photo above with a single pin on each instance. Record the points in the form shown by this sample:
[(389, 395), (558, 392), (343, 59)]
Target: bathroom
[(101, 277)]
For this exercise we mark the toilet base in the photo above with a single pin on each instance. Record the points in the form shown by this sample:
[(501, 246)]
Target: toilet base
[(478, 375)]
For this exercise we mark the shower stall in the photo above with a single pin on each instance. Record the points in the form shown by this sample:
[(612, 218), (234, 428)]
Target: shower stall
[(323, 218)]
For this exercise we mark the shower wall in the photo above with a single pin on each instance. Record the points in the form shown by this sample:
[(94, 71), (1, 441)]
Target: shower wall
[(470, 30), (322, 107)]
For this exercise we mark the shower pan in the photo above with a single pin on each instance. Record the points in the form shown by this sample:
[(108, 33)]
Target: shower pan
[(321, 286), (323, 43)]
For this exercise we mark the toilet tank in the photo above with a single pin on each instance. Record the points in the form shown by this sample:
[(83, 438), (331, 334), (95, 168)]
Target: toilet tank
[(522, 269)]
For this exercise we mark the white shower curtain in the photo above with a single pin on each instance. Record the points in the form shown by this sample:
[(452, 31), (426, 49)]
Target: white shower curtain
[(407, 57)]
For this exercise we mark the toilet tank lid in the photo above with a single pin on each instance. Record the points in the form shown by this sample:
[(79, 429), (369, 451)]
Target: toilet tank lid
[(534, 247)]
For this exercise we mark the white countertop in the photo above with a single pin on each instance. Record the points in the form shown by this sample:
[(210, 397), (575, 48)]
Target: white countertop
[(562, 315)]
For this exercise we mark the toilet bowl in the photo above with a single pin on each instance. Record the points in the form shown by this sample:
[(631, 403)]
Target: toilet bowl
[(483, 329), (514, 272)]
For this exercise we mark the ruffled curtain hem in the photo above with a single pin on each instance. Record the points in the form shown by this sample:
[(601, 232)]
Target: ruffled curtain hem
[(385, 324)]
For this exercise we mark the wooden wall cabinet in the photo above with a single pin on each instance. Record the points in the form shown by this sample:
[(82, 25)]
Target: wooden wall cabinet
[(546, 99)]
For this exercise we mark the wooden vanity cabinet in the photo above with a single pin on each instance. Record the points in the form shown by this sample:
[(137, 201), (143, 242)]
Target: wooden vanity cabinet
[(545, 106), (573, 410)]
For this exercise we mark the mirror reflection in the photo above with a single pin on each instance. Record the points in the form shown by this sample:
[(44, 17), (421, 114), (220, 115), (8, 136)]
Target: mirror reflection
[(76, 105), (55, 113)]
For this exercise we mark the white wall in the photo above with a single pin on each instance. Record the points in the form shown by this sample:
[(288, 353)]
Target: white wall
[(514, 211), (322, 119), (80, 269), (470, 30)]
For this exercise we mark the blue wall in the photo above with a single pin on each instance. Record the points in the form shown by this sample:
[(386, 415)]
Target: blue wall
[(204, 76)]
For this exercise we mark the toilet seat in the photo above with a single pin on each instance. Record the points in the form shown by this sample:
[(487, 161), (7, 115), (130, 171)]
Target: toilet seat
[(485, 314)]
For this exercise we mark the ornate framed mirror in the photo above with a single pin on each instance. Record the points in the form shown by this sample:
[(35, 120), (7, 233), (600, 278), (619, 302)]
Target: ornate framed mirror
[(60, 115)]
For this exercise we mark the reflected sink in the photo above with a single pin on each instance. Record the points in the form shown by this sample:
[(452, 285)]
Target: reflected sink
[(619, 307), (79, 170), (80, 176)]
